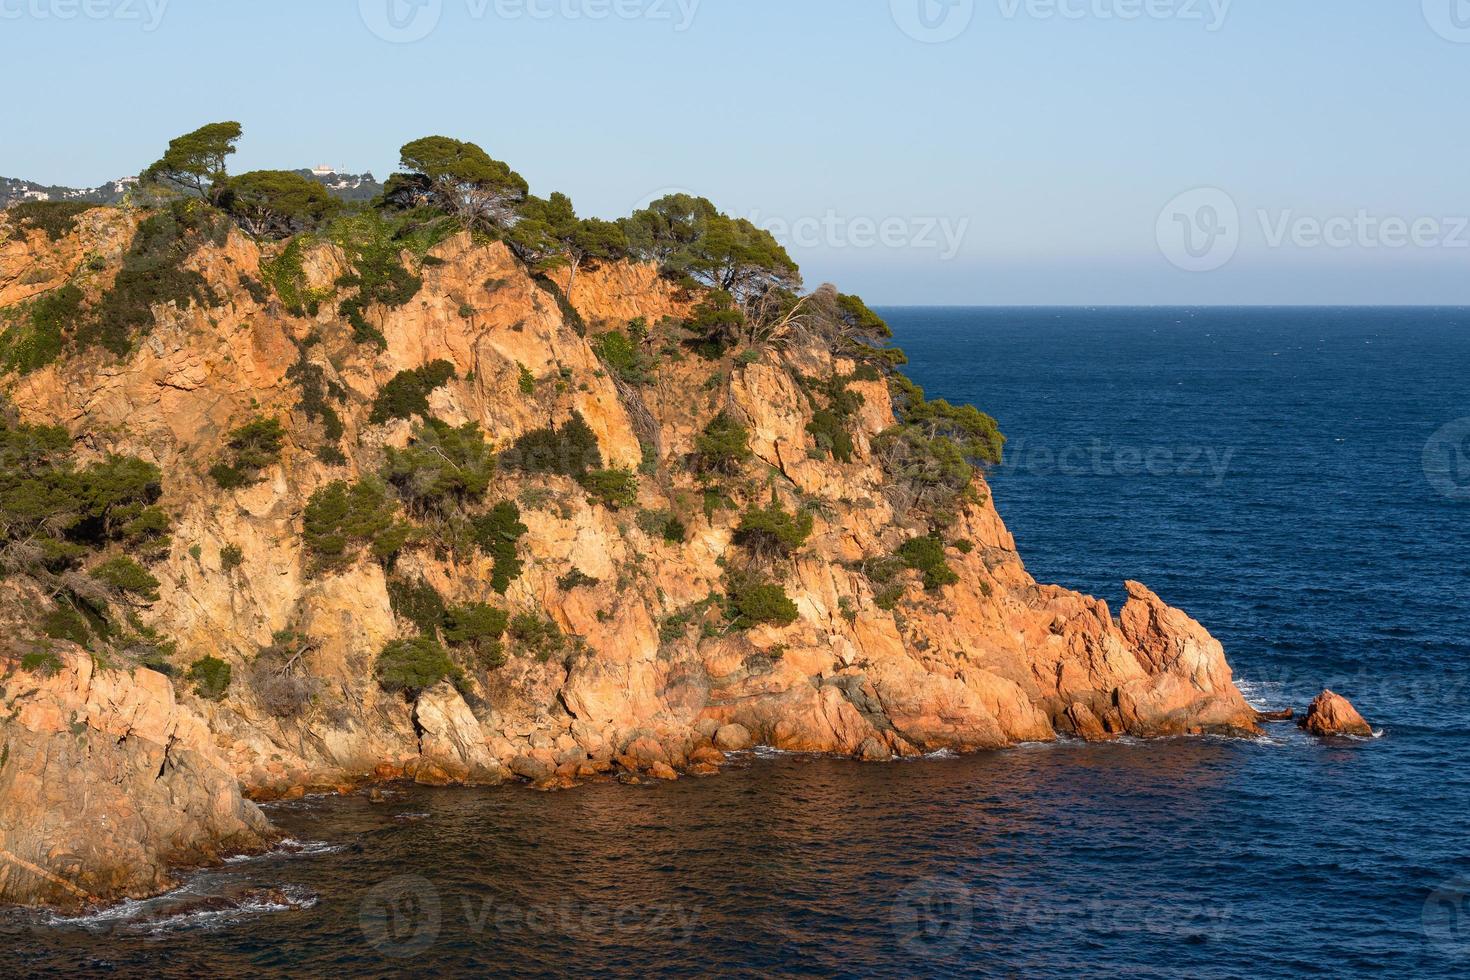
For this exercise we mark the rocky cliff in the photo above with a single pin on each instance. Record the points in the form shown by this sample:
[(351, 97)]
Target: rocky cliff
[(637, 665)]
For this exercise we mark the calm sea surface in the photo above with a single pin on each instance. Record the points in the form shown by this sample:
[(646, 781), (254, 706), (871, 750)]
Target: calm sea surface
[(1297, 479)]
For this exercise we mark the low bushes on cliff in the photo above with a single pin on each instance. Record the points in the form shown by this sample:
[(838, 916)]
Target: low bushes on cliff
[(931, 454), (723, 446), (153, 274), (378, 273), (211, 678), (926, 555), (569, 449), (56, 517), (773, 531), (43, 331), (613, 488), (753, 601), (441, 467), (417, 602), (498, 534), (56, 218), (343, 519), (414, 665), (407, 393), (253, 447), (477, 628)]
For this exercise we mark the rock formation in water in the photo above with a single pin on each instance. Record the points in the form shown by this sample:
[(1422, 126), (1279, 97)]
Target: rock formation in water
[(673, 552), (1332, 714)]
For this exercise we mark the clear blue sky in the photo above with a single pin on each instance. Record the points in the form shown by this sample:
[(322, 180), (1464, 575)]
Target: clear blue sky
[(1045, 145)]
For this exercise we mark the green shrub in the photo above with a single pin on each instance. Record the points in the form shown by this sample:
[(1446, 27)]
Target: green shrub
[(478, 627), (42, 662), (566, 450), (43, 335), (537, 635), (253, 447), (343, 518), (662, 524), (964, 546), (441, 466), (211, 677), (497, 534), (415, 665), (56, 218), (417, 602), (931, 454), (527, 381), (576, 579), (407, 394), (773, 531), (127, 577), (153, 274), (624, 358), (615, 488), (724, 446), (286, 274), (231, 557), (755, 602), (378, 273), (831, 435), (314, 392), (926, 555), (65, 623)]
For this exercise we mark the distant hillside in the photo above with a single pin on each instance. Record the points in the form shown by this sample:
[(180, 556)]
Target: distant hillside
[(348, 187), (13, 189)]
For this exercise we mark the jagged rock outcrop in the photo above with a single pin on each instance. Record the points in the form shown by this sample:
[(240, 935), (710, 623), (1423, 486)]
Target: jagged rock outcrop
[(991, 660), (1332, 714), (106, 783)]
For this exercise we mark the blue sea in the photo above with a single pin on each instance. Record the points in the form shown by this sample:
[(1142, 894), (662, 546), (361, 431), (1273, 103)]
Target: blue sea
[(1296, 479)]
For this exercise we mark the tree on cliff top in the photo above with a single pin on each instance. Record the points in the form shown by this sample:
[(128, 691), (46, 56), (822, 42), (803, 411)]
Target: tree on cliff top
[(458, 178), (277, 203), (548, 234), (196, 161)]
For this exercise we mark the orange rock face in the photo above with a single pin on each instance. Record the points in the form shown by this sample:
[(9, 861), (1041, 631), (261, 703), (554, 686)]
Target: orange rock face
[(1332, 714), (649, 684)]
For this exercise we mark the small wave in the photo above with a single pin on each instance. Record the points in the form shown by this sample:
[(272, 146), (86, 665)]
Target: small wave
[(190, 906), (290, 847)]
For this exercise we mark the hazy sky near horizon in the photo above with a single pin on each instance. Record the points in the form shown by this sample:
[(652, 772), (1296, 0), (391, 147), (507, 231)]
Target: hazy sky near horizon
[(915, 151)]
